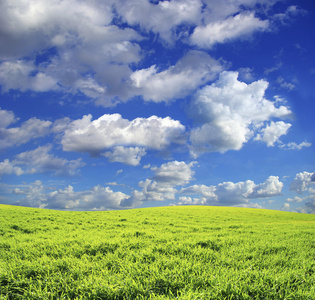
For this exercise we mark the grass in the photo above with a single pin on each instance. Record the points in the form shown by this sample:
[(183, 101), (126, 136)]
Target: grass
[(191, 252)]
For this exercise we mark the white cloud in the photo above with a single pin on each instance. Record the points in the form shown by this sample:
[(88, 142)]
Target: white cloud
[(250, 205), (295, 146), (193, 70), (310, 205), (229, 193), (6, 118), (79, 40), (295, 199), (231, 112), (7, 167), (190, 201), (219, 136), (302, 182), (15, 136), (221, 10), (84, 135), (284, 84), (241, 25), (88, 51), (286, 206), (174, 173), (41, 161), (272, 132), (19, 75), (290, 12), (154, 191), (271, 187), (97, 198), (127, 155), (161, 18), (34, 194), (162, 185)]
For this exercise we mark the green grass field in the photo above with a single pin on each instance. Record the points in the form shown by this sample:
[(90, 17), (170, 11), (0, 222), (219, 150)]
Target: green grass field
[(192, 252)]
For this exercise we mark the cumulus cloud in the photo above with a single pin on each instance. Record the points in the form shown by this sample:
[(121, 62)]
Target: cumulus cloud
[(229, 193), (41, 160), (272, 132), (174, 173), (6, 118), (162, 185), (302, 182), (193, 70), (81, 47), (286, 206), (295, 199), (127, 155), (97, 198), (15, 136), (85, 135), (230, 112), (20, 75), (310, 205), (78, 39), (7, 167), (243, 24), (271, 187), (161, 18), (89, 52)]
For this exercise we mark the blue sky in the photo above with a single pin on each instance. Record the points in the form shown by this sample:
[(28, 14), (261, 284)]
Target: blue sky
[(123, 104)]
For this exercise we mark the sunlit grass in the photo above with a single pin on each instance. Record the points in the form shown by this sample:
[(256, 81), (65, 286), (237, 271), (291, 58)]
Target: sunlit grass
[(192, 252)]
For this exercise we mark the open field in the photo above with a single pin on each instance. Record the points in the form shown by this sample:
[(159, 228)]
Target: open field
[(156, 253)]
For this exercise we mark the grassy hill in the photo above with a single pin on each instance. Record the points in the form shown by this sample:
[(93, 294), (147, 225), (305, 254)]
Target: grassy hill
[(191, 252)]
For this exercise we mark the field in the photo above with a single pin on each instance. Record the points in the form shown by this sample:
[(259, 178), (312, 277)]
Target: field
[(191, 252)]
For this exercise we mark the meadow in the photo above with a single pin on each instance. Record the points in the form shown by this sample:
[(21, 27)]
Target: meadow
[(191, 252)]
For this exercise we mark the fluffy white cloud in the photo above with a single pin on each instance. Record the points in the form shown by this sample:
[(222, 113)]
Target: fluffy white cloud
[(272, 132), (231, 112), (229, 193), (79, 40), (302, 182), (84, 135), (87, 50), (286, 206), (162, 186), (15, 136), (41, 160), (7, 167), (310, 205), (216, 11), (271, 187), (161, 18), (241, 25), (34, 194), (127, 155), (97, 198), (174, 173), (6, 118), (193, 70), (19, 75), (295, 199)]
